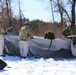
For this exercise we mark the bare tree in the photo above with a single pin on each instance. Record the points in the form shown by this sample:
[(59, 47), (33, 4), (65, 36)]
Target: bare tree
[(73, 13), (9, 14), (62, 11), (20, 13)]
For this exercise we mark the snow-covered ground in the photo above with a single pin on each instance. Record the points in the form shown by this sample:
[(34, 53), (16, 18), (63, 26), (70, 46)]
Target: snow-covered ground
[(39, 66)]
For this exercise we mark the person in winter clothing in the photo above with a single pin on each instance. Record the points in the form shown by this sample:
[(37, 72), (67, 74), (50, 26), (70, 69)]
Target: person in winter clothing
[(24, 34), (49, 35), (66, 32), (9, 30)]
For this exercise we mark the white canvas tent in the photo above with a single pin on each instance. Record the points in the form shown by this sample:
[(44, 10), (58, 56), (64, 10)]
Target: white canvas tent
[(11, 45), (73, 49), (60, 47), (38, 47), (1, 44)]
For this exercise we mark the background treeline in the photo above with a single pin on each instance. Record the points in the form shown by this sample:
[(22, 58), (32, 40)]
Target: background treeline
[(39, 28)]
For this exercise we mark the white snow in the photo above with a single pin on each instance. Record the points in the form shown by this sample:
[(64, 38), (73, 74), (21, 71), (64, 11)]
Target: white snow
[(38, 66)]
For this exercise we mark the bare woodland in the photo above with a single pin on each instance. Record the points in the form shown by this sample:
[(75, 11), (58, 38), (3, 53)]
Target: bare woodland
[(66, 10)]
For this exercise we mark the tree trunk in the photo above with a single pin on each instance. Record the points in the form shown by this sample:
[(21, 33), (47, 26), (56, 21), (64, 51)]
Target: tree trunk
[(8, 14), (73, 14), (73, 18)]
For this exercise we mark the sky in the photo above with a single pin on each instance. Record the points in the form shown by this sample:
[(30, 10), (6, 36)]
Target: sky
[(36, 9)]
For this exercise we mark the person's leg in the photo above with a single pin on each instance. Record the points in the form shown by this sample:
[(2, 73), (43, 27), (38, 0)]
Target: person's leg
[(21, 48), (25, 49)]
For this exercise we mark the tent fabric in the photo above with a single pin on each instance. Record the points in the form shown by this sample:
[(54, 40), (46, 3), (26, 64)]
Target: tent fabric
[(38, 46), (11, 44), (57, 44), (13, 38), (73, 49), (1, 44), (3, 64), (50, 54), (61, 47)]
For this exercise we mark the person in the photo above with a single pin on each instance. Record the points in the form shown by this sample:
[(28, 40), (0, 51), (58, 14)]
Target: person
[(66, 32), (49, 35), (24, 35), (9, 30), (2, 32)]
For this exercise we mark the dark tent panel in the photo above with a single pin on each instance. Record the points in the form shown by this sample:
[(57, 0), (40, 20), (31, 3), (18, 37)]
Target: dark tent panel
[(11, 49), (2, 64), (12, 44)]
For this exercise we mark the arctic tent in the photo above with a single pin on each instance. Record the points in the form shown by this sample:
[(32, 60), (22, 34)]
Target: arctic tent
[(60, 47), (11, 44)]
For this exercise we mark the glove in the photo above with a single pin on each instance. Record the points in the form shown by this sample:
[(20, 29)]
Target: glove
[(32, 37)]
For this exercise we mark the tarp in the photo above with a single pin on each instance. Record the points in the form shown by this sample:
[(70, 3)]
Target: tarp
[(73, 49), (61, 47), (57, 44), (3, 64), (1, 44), (11, 44), (38, 46)]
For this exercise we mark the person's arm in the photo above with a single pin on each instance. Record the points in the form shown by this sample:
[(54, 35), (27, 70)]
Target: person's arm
[(3, 30), (30, 34)]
